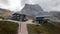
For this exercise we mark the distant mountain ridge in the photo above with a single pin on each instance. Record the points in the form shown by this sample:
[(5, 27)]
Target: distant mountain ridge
[(55, 14), (4, 10)]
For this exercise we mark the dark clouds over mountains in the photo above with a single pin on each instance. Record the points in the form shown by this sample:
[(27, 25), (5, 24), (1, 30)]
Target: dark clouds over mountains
[(16, 5), (47, 5)]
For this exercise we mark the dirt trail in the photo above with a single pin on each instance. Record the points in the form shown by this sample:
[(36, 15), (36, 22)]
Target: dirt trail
[(22, 26)]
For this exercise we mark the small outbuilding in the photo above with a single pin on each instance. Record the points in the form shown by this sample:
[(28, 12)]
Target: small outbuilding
[(41, 19)]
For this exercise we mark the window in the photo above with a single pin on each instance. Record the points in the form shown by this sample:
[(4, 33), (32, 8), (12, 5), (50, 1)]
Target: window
[(17, 15)]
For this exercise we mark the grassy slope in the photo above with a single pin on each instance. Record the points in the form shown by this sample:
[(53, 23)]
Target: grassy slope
[(44, 28), (8, 27)]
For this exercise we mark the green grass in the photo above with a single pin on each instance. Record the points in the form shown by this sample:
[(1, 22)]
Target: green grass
[(7, 27), (47, 28)]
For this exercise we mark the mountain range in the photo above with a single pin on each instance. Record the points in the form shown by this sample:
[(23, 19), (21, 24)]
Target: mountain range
[(5, 12), (36, 10), (56, 14)]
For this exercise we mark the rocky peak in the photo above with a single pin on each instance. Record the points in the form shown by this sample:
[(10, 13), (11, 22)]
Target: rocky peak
[(30, 9)]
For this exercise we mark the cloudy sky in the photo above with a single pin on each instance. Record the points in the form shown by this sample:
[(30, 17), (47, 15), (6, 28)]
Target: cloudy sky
[(16, 5)]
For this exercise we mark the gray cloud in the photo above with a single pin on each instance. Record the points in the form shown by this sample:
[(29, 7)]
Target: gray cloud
[(4, 2), (47, 5), (15, 5)]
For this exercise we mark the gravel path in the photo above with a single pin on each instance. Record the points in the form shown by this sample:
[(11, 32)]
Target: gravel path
[(22, 26)]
